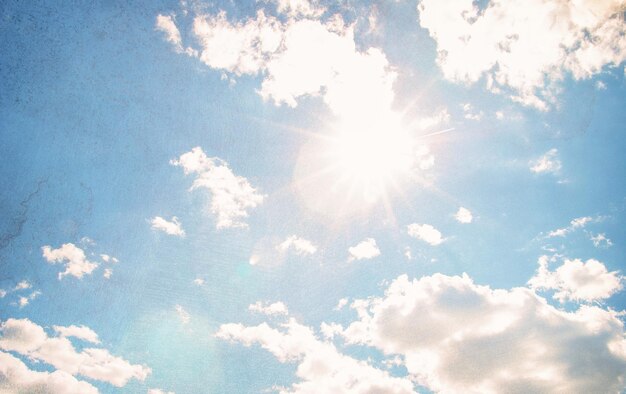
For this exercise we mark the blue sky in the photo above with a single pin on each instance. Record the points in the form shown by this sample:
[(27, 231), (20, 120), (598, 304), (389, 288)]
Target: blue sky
[(299, 196)]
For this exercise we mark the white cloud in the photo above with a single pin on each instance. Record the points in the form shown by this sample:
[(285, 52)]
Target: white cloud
[(276, 308), (426, 233), (109, 259), (23, 285), (600, 240), (470, 113), (16, 377), (463, 215), (576, 280), (548, 163), (165, 23), (574, 224), (231, 195), (73, 257), (183, 315), (81, 332), (159, 391), (456, 336), (107, 273), (364, 250), (3, 293), (306, 56), (198, 281), (29, 339), (23, 301), (300, 246), (341, 303), (171, 227), (297, 8), (525, 47), (321, 367)]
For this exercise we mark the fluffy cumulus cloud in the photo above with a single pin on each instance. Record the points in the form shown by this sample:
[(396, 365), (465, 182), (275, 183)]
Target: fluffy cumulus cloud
[(300, 246), (455, 336), (273, 309), (306, 55), (72, 257), (576, 280), (31, 340), (322, 368), (548, 163), (524, 47), (16, 377), (426, 233), (159, 391), (364, 250), (231, 195), (464, 215), (170, 227)]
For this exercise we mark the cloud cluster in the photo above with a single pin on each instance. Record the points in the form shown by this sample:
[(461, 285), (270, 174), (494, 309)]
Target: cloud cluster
[(306, 55), (524, 47), (23, 299), (321, 367), (231, 195), (31, 340), (456, 336), (16, 377), (576, 280)]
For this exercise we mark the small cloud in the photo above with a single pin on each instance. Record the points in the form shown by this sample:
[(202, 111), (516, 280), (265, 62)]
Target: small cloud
[(198, 281), (463, 215), (274, 309), (231, 195), (183, 315), (600, 240), (72, 257), (364, 250), (341, 303), (108, 259), (576, 280), (600, 85), (299, 245), (165, 23), (22, 285), (470, 113), (171, 227), (107, 273), (81, 332), (548, 163), (426, 233), (575, 224), (23, 301)]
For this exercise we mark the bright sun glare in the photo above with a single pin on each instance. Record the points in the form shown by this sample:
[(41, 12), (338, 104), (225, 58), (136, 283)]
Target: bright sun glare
[(369, 157), (357, 163)]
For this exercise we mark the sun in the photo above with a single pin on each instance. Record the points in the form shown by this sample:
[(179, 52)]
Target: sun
[(357, 163), (371, 157)]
